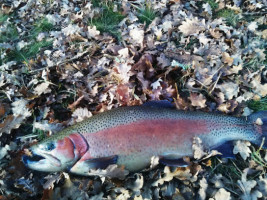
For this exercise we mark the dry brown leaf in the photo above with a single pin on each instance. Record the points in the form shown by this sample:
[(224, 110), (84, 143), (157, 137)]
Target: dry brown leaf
[(203, 188), (224, 107), (229, 89), (81, 114), (42, 88), (242, 147), (215, 33), (246, 187), (180, 173), (264, 34), (197, 147), (137, 34), (11, 122), (45, 126), (51, 180), (227, 59), (198, 100), (222, 194), (123, 94), (192, 26), (92, 32)]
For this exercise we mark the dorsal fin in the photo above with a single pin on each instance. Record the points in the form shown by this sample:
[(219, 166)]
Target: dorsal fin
[(159, 104)]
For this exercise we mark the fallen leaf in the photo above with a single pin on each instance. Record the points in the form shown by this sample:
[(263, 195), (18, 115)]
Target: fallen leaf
[(198, 100), (42, 88), (203, 189), (192, 26), (71, 29), (242, 147), (222, 194), (227, 59), (45, 126), (92, 32), (229, 89), (197, 148), (81, 114), (51, 180), (11, 122), (207, 8), (246, 187), (156, 84)]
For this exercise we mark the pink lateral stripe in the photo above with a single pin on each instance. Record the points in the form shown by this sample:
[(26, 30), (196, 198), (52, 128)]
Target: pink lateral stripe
[(151, 134)]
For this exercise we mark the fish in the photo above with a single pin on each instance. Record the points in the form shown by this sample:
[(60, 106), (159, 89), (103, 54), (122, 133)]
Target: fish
[(129, 137)]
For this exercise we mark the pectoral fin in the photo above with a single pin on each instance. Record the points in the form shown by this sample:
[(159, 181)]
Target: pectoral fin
[(226, 149), (173, 161), (83, 166)]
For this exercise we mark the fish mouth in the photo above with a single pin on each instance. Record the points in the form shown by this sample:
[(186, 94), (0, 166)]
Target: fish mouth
[(40, 159), (33, 158)]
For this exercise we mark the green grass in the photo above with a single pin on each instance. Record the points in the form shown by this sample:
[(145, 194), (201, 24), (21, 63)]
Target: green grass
[(25, 54), (258, 105), (40, 134), (257, 157), (229, 169), (10, 35), (191, 43), (146, 14), (3, 18), (229, 15), (213, 4), (108, 21), (40, 26), (96, 3)]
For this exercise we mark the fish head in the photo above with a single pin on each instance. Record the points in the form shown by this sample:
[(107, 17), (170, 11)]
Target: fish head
[(56, 154)]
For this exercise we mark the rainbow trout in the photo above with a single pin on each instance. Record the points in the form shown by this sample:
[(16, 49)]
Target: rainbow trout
[(130, 136)]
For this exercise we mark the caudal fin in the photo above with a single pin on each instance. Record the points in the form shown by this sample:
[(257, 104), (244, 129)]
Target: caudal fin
[(260, 121)]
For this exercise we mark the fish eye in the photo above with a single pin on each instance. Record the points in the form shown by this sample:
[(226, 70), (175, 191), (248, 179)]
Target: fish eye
[(50, 146)]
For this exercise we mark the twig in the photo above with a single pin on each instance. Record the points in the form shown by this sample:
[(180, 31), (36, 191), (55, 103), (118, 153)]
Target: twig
[(215, 83)]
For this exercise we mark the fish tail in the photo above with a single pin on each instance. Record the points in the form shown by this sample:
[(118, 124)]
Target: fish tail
[(259, 119)]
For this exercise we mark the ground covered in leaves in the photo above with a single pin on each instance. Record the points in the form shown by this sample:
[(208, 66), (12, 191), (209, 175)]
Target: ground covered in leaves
[(64, 61)]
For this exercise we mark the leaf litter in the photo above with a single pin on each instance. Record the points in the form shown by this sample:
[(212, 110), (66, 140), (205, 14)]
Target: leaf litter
[(64, 61)]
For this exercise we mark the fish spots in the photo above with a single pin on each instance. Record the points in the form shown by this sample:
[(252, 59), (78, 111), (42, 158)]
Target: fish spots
[(146, 136)]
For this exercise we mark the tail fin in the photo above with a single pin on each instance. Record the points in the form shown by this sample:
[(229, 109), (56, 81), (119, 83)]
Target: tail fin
[(260, 121)]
